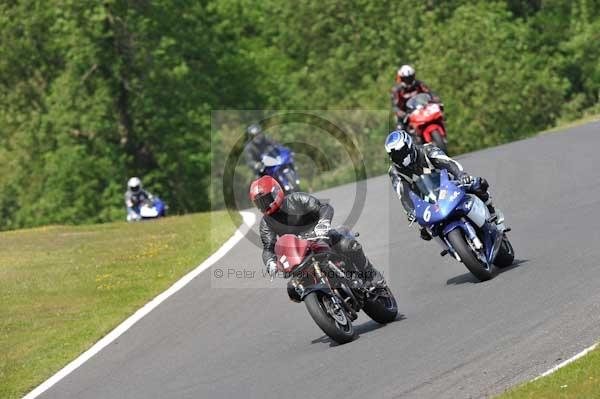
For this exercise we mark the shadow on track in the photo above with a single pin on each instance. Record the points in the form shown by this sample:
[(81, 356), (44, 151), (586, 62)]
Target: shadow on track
[(360, 329), (469, 278)]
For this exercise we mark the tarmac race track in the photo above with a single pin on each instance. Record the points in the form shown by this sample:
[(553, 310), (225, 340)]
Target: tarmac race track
[(455, 338)]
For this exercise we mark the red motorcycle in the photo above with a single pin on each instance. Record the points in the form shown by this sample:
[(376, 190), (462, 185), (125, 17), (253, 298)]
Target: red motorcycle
[(426, 121), (330, 286)]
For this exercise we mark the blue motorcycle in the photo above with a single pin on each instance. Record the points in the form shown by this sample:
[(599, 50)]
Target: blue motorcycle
[(151, 209), (461, 223), (279, 164)]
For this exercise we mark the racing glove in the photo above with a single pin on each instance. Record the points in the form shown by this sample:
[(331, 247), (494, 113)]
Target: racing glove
[(322, 228), (272, 268), (465, 179)]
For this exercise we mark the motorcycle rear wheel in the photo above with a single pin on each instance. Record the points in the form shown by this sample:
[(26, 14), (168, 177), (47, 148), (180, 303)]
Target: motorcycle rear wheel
[(506, 254), (382, 309), (338, 328), (479, 269)]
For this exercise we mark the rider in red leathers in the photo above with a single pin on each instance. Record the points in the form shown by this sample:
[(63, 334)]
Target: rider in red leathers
[(405, 88)]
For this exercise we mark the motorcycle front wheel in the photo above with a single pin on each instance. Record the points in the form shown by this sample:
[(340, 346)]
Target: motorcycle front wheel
[(438, 140), (330, 318), (480, 269)]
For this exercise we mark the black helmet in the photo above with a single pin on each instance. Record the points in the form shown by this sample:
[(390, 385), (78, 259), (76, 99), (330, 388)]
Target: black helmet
[(401, 149), (253, 130)]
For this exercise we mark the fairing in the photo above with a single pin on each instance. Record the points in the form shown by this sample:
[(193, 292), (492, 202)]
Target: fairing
[(290, 251), (434, 211)]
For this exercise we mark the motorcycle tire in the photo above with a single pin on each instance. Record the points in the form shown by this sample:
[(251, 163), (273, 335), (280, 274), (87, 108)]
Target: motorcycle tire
[(506, 254), (438, 140), (340, 331), (478, 268), (383, 309)]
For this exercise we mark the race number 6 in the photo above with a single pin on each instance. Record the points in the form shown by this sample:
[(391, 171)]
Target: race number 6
[(427, 214)]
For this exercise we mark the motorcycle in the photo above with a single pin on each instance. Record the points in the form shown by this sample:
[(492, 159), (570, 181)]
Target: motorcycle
[(426, 121), (461, 223), (279, 164), (330, 286), (150, 209)]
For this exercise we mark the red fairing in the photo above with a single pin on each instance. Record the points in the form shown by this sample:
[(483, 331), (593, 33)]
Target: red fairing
[(425, 115), (290, 251), (427, 119), (430, 129)]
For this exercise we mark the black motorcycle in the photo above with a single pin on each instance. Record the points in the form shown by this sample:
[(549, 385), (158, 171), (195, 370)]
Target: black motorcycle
[(331, 287)]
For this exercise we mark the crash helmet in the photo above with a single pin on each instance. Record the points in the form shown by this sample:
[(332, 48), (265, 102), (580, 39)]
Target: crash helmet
[(134, 184), (400, 148), (406, 75), (253, 130), (266, 194)]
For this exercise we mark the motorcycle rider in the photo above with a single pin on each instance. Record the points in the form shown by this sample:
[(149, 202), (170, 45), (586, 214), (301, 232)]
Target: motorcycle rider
[(405, 88), (135, 196), (409, 161), (258, 145), (301, 213)]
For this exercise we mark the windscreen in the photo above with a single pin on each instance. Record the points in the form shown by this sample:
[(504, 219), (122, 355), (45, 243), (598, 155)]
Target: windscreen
[(428, 186), (421, 99)]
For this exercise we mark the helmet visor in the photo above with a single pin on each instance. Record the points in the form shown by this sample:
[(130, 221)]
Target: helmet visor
[(402, 156), (265, 201), (135, 189), (408, 79)]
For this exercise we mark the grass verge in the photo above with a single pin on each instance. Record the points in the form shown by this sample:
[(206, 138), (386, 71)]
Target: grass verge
[(575, 123), (577, 380), (63, 288)]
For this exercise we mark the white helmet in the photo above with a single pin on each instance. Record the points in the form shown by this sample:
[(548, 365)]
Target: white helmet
[(134, 184), (406, 74)]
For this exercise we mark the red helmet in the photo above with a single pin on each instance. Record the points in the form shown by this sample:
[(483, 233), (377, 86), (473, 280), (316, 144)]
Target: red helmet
[(266, 194)]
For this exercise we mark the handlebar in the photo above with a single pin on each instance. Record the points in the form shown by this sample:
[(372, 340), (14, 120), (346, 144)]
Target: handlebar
[(313, 237)]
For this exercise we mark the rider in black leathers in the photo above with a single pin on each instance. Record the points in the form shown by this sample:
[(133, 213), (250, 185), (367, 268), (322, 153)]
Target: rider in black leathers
[(409, 161), (301, 213), (258, 145)]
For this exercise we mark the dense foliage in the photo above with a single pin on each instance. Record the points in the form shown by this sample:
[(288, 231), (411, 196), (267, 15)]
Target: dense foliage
[(92, 92)]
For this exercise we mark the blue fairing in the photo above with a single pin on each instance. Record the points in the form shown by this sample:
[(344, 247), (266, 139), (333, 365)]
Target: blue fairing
[(283, 156), (449, 197), (160, 206), (445, 211), (285, 160), (491, 237)]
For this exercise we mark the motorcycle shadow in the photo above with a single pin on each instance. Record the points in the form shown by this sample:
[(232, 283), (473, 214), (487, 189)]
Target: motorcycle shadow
[(469, 278), (360, 329)]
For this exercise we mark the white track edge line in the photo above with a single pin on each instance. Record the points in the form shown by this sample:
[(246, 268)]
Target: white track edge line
[(248, 221), (569, 360)]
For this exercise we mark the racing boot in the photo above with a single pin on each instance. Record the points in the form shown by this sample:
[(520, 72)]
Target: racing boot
[(425, 234), (496, 215)]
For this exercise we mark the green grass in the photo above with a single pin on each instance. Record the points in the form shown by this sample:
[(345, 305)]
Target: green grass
[(566, 125), (63, 288), (578, 380)]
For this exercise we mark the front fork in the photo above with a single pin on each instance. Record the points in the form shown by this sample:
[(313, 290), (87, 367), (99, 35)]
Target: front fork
[(471, 236), (337, 298)]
